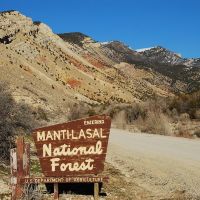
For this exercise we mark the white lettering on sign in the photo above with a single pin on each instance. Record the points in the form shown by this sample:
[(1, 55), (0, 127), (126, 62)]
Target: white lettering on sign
[(77, 147), (65, 150), (76, 166), (62, 179), (70, 134), (89, 122)]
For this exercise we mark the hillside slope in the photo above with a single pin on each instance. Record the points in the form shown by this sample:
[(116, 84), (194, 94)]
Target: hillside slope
[(50, 70)]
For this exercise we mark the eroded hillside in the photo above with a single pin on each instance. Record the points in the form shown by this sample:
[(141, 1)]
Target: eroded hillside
[(44, 69)]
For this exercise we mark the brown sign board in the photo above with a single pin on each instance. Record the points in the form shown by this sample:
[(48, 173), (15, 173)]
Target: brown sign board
[(74, 148)]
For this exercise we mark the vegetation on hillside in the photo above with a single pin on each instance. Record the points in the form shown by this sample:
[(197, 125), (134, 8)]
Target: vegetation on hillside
[(187, 103), (15, 118), (74, 38), (171, 116), (157, 115)]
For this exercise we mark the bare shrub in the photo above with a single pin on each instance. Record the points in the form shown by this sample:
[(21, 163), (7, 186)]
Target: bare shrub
[(197, 114), (157, 123), (120, 119), (91, 112), (183, 130), (156, 119), (41, 114), (167, 116), (150, 117), (32, 192), (130, 112), (77, 111), (173, 114), (186, 103), (6, 126), (15, 118), (160, 116), (197, 133), (134, 112), (184, 117)]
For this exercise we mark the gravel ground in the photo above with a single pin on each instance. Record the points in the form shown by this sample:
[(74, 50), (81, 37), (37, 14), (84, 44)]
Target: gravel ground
[(169, 167)]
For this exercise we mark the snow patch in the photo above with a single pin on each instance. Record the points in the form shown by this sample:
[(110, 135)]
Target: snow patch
[(104, 43), (144, 49), (130, 48)]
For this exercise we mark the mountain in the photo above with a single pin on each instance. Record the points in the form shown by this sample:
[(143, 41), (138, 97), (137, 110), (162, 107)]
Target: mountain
[(160, 54), (50, 70), (171, 64), (184, 77)]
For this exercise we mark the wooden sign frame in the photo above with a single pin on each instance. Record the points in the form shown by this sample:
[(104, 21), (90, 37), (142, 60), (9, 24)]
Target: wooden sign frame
[(20, 157)]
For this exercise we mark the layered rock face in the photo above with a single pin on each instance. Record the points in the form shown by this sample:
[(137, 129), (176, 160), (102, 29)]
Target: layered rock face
[(49, 70)]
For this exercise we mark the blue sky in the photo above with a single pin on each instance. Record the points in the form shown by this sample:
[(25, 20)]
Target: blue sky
[(174, 24)]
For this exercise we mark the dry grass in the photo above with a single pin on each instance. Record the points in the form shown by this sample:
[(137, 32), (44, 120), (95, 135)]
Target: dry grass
[(32, 192), (197, 133), (156, 123), (156, 117)]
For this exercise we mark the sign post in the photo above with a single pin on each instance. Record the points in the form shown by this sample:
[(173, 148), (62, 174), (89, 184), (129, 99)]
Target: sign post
[(96, 191), (13, 168), (56, 193), (20, 167)]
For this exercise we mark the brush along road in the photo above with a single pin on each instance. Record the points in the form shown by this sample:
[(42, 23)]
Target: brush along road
[(164, 165)]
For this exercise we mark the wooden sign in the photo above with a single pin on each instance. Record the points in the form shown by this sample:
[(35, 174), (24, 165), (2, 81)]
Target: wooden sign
[(75, 148)]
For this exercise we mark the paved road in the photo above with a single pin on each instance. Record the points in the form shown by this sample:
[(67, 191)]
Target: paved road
[(166, 166)]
